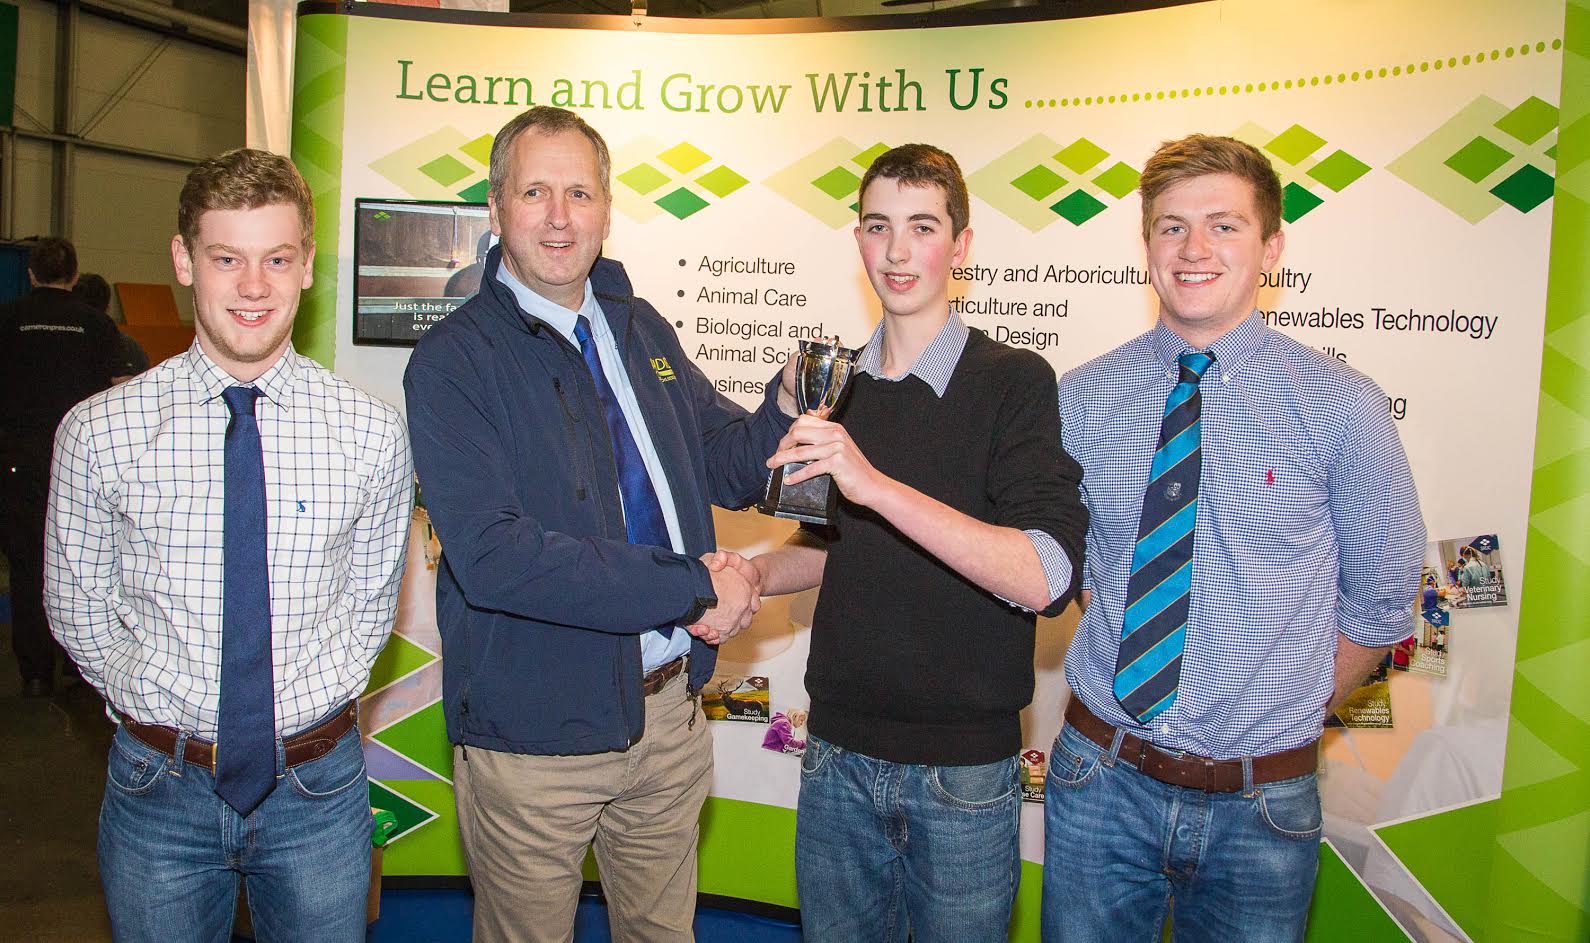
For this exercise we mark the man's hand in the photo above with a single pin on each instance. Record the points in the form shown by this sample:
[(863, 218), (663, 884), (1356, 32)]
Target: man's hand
[(830, 450), (747, 568), (738, 602)]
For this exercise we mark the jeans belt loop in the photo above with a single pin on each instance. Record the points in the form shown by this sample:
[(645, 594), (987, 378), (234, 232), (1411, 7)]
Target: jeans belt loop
[(178, 755), (1115, 747), (1249, 790)]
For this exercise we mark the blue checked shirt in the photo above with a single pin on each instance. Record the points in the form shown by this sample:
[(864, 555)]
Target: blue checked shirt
[(1308, 525), (133, 576), (935, 366)]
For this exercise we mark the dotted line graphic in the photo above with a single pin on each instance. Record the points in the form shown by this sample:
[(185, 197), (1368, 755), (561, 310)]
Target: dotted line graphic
[(1307, 81)]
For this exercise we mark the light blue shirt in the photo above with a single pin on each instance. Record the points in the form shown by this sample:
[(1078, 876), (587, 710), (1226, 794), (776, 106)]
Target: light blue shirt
[(1308, 526), (655, 648)]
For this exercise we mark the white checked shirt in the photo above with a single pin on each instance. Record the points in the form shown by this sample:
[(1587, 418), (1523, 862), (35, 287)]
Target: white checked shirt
[(133, 542)]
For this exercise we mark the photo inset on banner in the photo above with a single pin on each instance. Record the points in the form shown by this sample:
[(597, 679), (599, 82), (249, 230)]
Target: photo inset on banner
[(737, 698), (1370, 705), (415, 262), (1471, 571), (787, 733), (1425, 650)]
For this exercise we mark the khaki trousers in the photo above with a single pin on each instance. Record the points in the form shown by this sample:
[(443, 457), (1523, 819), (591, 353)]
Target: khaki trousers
[(527, 821)]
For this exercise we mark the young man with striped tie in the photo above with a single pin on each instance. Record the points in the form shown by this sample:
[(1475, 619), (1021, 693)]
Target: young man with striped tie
[(1253, 549), (225, 540)]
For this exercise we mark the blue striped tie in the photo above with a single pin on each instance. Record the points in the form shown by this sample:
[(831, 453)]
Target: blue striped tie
[(643, 515), (1148, 667)]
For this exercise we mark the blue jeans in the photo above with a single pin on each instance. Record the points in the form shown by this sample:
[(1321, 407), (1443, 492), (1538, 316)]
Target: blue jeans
[(885, 849), (1120, 846), (171, 851)]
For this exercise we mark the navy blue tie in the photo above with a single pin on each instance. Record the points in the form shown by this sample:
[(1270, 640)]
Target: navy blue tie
[(643, 515), (245, 767), (1154, 632)]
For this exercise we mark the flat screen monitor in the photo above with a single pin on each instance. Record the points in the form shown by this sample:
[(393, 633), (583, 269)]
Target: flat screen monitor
[(415, 261)]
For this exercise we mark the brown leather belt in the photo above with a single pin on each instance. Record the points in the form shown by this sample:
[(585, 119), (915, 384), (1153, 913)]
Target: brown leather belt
[(312, 744), (1193, 772), (653, 680)]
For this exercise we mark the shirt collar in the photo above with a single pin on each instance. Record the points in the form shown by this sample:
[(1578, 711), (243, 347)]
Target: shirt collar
[(276, 383), (560, 318), (1231, 351), (934, 366)]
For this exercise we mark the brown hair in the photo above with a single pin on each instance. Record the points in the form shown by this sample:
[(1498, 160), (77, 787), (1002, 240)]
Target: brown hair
[(545, 119), (53, 261), (243, 179), (1200, 155), (923, 165)]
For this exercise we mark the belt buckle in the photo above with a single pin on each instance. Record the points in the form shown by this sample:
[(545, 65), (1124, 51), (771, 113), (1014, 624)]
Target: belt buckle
[(215, 752)]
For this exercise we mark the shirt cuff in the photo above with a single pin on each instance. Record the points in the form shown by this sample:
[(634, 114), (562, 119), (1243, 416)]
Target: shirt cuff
[(1056, 566)]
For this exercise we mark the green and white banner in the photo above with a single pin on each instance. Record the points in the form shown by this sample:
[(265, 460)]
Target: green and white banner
[(1420, 145)]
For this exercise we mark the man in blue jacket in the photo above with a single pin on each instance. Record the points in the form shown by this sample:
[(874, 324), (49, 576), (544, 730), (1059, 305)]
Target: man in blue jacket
[(570, 452)]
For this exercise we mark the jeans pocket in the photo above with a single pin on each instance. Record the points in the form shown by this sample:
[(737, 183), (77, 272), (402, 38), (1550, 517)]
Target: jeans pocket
[(1291, 808), (133, 767), (1071, 763), (816, 754), (975, 787), (336, 772)]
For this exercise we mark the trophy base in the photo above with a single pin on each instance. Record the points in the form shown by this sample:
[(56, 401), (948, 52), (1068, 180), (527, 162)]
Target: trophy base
[(813, 501)]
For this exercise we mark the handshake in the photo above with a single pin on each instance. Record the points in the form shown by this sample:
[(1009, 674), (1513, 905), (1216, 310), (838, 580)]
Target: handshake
[(738, 585)]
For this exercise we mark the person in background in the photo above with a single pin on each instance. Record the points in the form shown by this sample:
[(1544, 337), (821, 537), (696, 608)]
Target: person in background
[(54, 351), (94, 291)]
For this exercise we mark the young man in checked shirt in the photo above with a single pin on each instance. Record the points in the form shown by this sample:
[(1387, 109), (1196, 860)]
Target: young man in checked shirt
[(224, 545), (1253, 550)]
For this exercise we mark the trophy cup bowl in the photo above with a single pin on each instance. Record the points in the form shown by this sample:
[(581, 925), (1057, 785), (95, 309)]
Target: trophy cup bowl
[(822, 373)]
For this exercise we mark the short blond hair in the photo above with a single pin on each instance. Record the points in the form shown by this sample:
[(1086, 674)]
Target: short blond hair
[(243, 179), (1202, 155)]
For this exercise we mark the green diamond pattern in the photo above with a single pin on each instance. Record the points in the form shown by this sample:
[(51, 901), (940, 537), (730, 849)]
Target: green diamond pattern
[(1339, 170), (410, 814), (421, 738), (643, 178), (1079, 207), (1525, 189), (720, 181), (445, 170), (866, 157), (682, 203), (1530, 121), (684, 157), (837, 183), (1294, 144), (1039, 182), (1478, 159), (1552, 152), (475, 192), (1081, 155), (1297, 202), (479, 149), (1118, 181)]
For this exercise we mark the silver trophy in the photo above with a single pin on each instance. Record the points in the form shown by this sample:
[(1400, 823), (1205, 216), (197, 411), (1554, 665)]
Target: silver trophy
[(822, 371)]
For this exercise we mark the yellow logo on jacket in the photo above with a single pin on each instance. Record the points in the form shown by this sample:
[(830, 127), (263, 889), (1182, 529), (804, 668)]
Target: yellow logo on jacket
[(664, 371)]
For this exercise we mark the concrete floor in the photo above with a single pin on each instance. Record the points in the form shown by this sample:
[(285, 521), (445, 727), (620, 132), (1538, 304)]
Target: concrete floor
[(52, 775)]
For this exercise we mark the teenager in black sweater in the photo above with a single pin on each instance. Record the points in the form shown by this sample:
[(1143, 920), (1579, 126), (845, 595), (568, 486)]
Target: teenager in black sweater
[(959, 519)]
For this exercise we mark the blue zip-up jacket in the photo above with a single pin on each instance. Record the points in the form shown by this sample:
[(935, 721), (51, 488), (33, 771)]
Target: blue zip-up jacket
[(540, 597)]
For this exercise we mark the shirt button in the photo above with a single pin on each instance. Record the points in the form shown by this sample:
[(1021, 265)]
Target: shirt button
[(1164, 728)]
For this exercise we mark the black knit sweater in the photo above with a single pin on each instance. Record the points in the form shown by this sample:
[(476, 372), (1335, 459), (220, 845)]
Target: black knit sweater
[(911, 662)]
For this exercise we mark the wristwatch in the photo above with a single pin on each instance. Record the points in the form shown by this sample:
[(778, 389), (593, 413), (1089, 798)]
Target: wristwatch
[(699, 609)]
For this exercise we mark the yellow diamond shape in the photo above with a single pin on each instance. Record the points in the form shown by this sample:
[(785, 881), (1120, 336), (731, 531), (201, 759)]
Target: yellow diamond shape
[(684, 157)]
